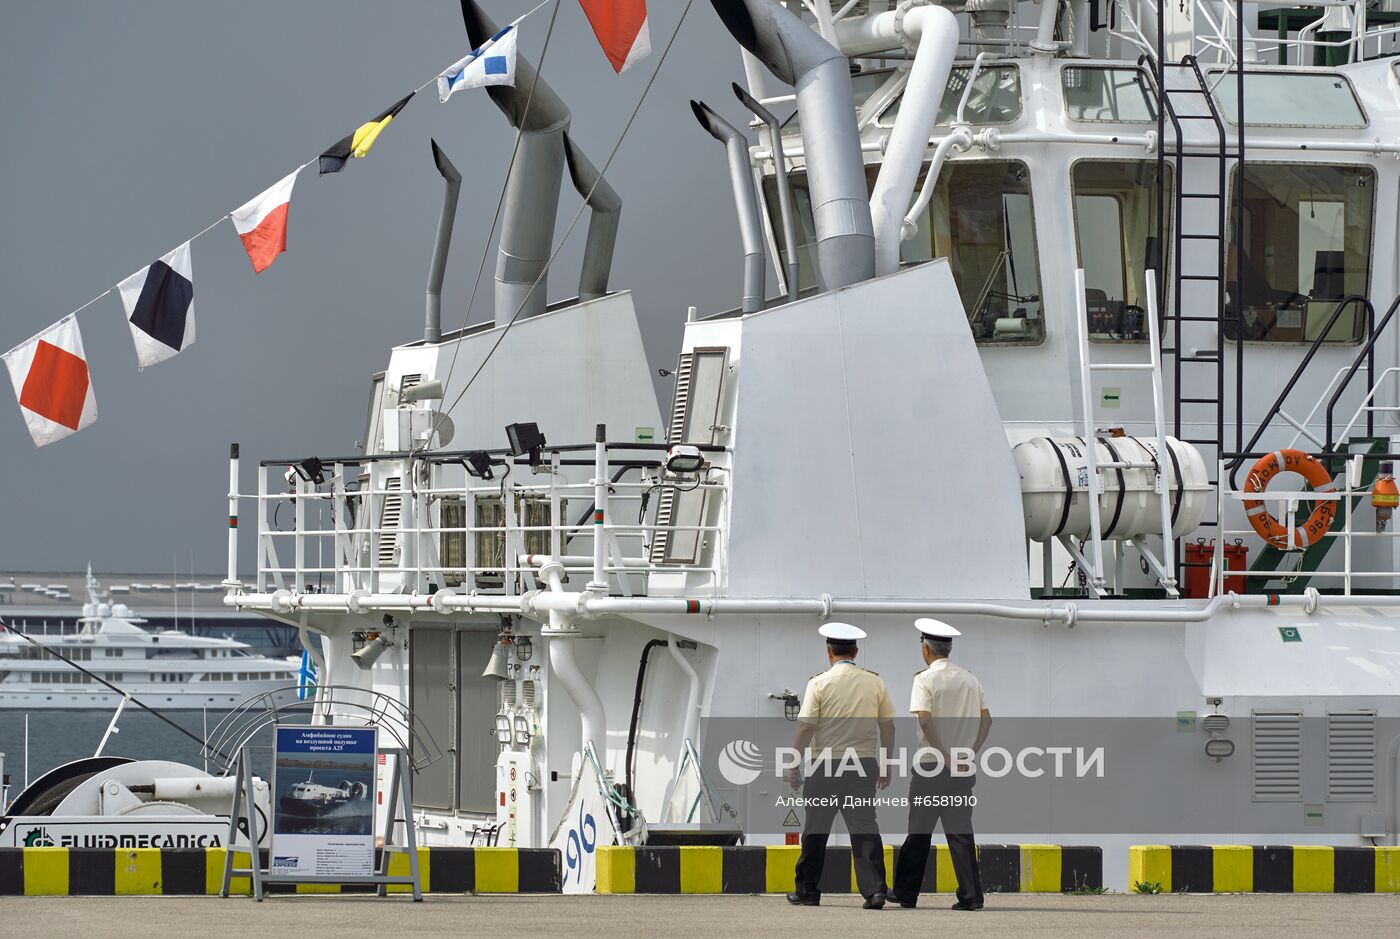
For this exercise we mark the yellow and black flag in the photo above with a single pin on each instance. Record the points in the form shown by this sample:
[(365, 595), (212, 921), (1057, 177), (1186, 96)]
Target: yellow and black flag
[(358, 143)]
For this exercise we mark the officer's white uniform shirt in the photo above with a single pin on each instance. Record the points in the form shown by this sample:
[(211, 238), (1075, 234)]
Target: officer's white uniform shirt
[(954, 697)]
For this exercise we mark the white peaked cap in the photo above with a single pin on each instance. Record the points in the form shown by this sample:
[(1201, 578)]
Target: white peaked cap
[(841, 632), (935, 629)]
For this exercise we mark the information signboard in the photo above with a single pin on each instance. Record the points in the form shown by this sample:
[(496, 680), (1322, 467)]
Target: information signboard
[(323, 802)]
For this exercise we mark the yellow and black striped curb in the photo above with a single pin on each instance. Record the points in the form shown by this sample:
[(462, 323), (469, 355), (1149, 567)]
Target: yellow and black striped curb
[(200, 871), (1264, 868), (1025, 868)]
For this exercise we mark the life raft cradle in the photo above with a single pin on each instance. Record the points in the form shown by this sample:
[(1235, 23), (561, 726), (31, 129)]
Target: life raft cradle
[(1295, 579)]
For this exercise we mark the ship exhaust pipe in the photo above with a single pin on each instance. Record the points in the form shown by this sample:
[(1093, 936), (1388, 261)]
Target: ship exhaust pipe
[(821, 75), (745, 200), (775, 134), (452, 188), (605, 211), (532, 188)]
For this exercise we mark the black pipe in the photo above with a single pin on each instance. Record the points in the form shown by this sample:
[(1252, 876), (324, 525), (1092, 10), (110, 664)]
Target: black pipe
[(1239, 458), (1365, 353), (636, 717)]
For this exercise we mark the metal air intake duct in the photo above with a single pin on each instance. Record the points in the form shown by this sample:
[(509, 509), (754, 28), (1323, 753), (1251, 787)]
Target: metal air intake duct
[(745, 200), (532, 189), (830, 140)]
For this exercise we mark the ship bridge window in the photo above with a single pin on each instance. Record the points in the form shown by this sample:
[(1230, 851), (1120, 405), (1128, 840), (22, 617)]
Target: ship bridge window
[(1306, 244), (995, 97), (980, 219), (863, 85), (1290, 99), (1115, 220), (1107, 94)]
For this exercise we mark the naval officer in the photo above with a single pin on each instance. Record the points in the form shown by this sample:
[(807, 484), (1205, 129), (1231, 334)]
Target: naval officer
[(841, 710), (953, 720)]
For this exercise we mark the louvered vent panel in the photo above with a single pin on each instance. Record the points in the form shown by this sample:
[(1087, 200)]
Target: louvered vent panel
[(1277, 757), (666, 505), (681, 399), (389, 520), (1351, 756)]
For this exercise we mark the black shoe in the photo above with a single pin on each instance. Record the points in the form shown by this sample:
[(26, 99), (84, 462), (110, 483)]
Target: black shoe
[(875, 902), (969, 907), (905, 904), (802, 899)]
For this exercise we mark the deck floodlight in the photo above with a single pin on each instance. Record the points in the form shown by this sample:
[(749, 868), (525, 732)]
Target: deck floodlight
[(311, 470), (369, 653), (1218, 748), (524, 648), (525, 439), (478, 465), (684, 459), (522, 732), (504, 732)]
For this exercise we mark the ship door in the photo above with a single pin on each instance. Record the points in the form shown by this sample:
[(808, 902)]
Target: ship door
[(478, 701), (694, 420), (454, 704)]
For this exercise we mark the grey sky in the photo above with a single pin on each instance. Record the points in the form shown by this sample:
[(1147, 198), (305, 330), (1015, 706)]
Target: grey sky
[(132, 124)]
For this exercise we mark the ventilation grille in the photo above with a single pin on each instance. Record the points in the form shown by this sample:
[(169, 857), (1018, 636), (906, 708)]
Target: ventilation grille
[(529, 698), (389, 520), (666, 505), (684, 367), (1351, 756), (1277, 758)]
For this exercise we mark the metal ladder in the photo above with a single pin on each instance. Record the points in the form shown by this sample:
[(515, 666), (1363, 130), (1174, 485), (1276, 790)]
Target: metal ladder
[(1092, 563)]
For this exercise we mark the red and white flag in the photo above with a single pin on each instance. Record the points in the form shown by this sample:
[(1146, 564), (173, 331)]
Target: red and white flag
[(50, 375), (262, 223), (621, 28)]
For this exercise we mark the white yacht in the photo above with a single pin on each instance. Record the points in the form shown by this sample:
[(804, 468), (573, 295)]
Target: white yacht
[(167, 669)]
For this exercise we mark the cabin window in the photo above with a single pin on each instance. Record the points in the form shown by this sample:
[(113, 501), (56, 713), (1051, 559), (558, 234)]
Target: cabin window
[(1115, 220), (863, 86), (1289, 99), (1306, 244), (1117, 95), (980, 219), (995, 97)]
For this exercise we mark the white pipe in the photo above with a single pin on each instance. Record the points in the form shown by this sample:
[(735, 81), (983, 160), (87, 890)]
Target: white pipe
[(600, 510), (562, 633), (961, 137), (936, 30), (232, 579), (538, 603), (1044, 43), (692, 704)]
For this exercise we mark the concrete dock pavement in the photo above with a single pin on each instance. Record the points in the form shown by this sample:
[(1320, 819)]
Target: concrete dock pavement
[(307, 916)]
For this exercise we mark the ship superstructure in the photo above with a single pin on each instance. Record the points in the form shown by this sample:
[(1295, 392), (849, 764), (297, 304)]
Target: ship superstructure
[(1054, 282)]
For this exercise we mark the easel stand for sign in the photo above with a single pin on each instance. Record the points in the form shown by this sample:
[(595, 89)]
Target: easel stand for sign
[(400, 797)]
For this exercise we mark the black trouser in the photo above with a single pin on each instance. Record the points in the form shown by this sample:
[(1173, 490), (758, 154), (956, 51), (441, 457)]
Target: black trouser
[(867, 850), (927, 807)]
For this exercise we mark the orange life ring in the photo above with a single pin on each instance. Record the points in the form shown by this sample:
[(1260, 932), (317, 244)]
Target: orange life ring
[(1269, 528)]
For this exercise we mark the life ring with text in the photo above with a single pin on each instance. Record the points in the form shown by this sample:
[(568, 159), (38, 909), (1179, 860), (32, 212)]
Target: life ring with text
[(1270, 528)]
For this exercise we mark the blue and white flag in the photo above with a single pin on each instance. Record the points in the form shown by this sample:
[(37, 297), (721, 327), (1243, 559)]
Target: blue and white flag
[(492, 63), (306, 677)]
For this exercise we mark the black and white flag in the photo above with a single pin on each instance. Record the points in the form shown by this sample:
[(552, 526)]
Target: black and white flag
[(159, 302)]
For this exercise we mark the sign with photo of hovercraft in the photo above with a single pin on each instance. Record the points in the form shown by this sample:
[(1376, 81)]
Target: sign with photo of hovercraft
[(323, 802)]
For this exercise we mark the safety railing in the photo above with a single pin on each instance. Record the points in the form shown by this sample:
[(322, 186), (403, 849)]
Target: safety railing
[(1292, 509), (475, 522)]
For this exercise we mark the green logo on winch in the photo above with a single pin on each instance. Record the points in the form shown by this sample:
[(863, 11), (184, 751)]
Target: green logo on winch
[(38, 838), (1290, 634)]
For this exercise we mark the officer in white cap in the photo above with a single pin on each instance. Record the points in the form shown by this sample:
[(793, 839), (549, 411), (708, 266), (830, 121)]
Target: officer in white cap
[(953, 720), (841, 711)]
